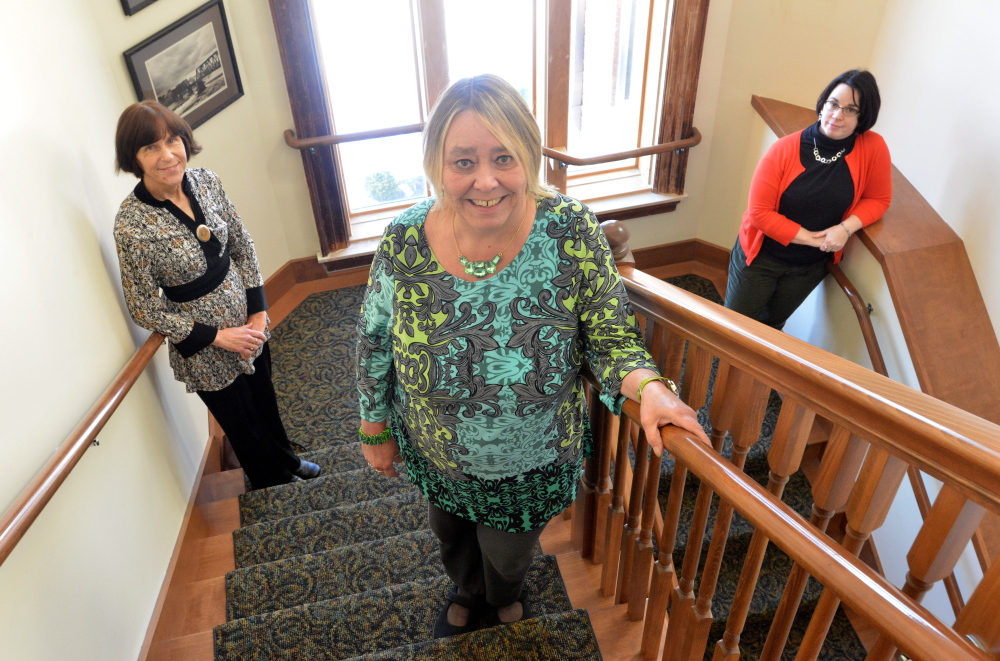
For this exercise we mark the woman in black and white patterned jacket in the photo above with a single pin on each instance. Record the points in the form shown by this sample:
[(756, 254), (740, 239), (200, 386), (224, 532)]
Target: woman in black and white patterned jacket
[(189, 271)]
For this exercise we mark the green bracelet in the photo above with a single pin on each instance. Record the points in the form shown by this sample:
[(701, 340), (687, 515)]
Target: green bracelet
[(642, 384), (383, 436)]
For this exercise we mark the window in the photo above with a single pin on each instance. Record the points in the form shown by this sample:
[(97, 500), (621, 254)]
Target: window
[(593, 71)]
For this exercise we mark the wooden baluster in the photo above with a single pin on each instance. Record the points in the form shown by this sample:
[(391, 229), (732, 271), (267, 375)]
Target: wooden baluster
[(946, 533), (642, 564), (584, 507), (697, 374), (837, 473), (790, 436), (682, 602), (662, 582), (616, 512), (867, 507), (631, 533), (978, 621), (671, 355), (736, 388), (605, 429)]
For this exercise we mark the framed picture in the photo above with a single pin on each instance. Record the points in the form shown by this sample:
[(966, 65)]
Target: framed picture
[(132, 6), (188, 66)]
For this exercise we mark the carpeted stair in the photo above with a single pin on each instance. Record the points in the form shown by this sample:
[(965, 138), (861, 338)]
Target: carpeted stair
[(842, 643), (343, 566)]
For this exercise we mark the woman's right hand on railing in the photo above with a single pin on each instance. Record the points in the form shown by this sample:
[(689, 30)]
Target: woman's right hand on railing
[(243, 340)]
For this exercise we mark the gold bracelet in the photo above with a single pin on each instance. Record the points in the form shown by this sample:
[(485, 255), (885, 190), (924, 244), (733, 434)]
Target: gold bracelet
[(642, 384)]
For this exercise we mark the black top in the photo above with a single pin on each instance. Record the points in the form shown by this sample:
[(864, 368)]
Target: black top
[(816, 199)]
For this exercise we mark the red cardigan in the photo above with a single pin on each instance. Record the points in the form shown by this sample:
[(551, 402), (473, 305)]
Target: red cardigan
[(871, 170)]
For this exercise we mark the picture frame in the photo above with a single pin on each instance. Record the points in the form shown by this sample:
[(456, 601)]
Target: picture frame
[(132, 6), (188, 66)]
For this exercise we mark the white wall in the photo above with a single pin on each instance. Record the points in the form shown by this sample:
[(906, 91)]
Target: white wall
[(82, 583)]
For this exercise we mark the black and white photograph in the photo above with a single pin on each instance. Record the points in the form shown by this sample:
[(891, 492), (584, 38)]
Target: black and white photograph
[(188, 66), (132, 6)]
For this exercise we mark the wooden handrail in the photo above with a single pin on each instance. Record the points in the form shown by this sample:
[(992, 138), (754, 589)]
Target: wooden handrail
[(910, 626), (321, 141), (864, 317), (16, 520), (942, 440)]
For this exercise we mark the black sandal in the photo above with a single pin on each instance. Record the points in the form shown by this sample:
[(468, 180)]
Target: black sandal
[(526, 612), (443, 628)]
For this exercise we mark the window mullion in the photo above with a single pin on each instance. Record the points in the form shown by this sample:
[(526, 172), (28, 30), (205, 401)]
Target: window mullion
[(434, 50), (558, 33)]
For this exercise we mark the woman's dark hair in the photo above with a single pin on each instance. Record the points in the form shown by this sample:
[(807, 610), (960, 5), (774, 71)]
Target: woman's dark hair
[(865, 88), (143, 124)]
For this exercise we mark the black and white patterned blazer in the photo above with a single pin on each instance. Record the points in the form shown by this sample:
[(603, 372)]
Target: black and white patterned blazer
[(158, 247)]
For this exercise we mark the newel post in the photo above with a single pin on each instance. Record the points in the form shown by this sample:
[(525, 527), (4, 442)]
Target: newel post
[(618, 236)]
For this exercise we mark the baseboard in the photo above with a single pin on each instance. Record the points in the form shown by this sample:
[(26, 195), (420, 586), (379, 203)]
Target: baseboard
[(692, 250)]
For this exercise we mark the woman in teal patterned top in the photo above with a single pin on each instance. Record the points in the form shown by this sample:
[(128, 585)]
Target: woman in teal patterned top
[(483, 304)]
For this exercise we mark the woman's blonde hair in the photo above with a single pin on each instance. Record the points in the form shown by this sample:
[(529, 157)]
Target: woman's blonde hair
[(505, 114)]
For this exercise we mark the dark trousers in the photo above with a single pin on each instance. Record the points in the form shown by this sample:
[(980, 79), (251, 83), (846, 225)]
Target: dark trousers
[(247, 410), (483, 560), (768, 290)]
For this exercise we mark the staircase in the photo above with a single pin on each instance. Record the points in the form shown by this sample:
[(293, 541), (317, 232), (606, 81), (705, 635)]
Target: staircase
[(343, 566)]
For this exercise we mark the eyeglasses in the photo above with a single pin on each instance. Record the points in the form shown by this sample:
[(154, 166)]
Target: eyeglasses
[(833, 106)]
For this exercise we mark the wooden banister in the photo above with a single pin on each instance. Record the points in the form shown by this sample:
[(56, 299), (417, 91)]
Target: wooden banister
[(911, 627), (861, 409), (958, 447), (16, 520)]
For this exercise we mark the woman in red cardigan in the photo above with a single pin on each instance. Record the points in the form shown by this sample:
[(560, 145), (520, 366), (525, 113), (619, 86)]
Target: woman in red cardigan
[(811, 191)]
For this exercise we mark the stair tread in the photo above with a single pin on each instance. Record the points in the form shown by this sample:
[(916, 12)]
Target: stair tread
[(321, 493), (322, 576), (345, 627), (567, 636), (329, 529)]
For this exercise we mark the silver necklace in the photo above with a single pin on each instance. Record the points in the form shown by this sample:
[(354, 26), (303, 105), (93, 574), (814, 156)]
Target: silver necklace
[(826, 160)]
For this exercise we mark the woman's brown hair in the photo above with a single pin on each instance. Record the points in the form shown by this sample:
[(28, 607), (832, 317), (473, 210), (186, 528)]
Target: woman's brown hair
[(142, 124)]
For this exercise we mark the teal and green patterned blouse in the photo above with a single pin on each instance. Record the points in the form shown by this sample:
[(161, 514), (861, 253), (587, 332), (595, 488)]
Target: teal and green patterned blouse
[(481, 380)]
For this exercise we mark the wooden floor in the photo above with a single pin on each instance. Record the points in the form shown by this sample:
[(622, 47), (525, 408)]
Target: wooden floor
[(618, 638)]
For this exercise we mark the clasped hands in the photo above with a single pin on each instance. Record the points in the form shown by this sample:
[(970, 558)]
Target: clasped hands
[(245, 339), (832, 239)]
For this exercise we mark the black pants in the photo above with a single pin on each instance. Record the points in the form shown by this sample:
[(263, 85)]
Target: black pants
[(769, 291), (483, 560), (247, 410)]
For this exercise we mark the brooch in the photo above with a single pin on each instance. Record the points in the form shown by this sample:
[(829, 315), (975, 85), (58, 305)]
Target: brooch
[(203, 233)]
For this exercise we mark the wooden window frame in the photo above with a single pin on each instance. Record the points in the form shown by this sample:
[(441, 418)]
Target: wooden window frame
[(307, 93)]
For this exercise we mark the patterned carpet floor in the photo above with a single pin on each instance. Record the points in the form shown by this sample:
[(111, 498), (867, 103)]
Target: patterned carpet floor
[(343, 566)]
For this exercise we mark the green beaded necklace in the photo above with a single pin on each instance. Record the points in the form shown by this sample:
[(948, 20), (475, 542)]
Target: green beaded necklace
[(483, 268)]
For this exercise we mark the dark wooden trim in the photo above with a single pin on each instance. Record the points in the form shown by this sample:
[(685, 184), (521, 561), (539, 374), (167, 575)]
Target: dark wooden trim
[(692, 250), (16, 520), (687, 41), (311, 114)]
